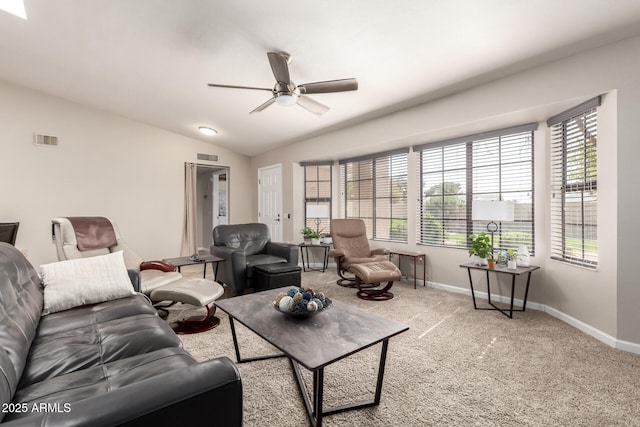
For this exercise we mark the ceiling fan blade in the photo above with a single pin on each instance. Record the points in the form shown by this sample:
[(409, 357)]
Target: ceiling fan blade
[(237, 87), (279, 67), (312, 105), (328, 86), (263, 106)]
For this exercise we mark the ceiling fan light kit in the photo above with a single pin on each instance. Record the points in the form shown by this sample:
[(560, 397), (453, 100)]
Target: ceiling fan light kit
[(286, 93), (286, 99)]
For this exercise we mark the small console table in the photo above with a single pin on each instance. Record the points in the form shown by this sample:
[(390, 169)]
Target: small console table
[(205, 259), (501, 270), (304, 250), (415, 256)]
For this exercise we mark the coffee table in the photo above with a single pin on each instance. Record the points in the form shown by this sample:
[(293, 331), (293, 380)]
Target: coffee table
[(312, 342)]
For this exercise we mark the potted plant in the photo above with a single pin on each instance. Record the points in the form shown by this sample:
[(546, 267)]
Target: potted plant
[(480, 247), (307, 234), (325, 238), (524, 259), (512, 262), (491, 263), (315, 237)]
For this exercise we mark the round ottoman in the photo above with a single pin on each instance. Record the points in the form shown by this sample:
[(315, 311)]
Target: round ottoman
[(197, 292)]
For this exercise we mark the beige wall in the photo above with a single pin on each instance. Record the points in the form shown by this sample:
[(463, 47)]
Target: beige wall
[(604, 300), (104, 165)]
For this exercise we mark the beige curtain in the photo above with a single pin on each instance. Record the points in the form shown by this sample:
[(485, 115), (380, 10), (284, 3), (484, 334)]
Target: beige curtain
[(189, 242)]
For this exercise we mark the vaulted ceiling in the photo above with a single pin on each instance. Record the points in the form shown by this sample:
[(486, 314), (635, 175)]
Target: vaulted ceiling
[(151, 60)]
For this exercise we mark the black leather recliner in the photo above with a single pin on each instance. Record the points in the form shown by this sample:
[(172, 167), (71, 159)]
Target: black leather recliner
[(243, 246)]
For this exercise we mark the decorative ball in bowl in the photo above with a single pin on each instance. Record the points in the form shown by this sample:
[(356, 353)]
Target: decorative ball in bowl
[(301, 302)]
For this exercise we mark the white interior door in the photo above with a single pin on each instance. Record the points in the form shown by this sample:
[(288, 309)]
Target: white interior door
[(270, 199)]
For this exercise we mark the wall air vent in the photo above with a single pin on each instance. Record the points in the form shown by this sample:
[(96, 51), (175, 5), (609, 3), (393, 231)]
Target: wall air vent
[(209, 157), (45, 140)]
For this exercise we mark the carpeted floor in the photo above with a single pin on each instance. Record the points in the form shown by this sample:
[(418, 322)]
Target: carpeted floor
[(456, 366)]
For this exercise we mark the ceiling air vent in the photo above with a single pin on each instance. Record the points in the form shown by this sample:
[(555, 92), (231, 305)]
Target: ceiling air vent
[(45, 140), (209, 157)]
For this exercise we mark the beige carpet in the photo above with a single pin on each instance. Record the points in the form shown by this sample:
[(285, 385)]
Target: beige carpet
[(456, 366)]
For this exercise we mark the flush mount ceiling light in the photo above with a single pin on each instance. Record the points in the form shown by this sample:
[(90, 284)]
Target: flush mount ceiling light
[(207, 131)]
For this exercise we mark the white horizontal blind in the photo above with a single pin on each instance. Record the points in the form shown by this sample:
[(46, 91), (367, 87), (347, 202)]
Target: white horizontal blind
[(442, 210), (317, 191), (493, 166), (503, 170), (391, 198), (574, 194), (358, 192), (375, 190)]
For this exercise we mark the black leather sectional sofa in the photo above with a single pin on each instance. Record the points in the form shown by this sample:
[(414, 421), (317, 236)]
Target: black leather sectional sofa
[(113, 363)]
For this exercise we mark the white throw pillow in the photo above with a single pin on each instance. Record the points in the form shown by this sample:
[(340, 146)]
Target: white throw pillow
[(77, 282)]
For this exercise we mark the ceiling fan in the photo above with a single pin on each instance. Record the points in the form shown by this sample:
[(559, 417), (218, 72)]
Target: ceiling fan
[(286, 92)]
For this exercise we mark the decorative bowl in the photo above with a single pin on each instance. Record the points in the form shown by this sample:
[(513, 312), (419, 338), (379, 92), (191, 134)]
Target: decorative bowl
[(300, 302), (300, 315)]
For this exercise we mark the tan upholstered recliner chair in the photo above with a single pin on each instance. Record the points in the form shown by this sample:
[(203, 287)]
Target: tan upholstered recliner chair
[(351, 246), (82, 237)]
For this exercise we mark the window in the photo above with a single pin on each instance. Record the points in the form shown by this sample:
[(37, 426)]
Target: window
[(574, 185), (317, 191), (375, 189), (496, 165)]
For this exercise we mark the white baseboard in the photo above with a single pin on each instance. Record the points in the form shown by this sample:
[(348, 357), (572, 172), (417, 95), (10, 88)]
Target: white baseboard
[(596, 333), (631, 347), (578, 324), (483, 295), (312, 265)]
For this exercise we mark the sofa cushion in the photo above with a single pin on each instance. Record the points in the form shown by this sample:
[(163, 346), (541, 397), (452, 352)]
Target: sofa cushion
[(75, 386), (94, 344), (77, 282), (95, 313)]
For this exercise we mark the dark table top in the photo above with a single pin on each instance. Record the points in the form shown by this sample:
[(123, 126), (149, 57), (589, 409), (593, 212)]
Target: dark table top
[(315, 341), (519, 270), (185, 260)]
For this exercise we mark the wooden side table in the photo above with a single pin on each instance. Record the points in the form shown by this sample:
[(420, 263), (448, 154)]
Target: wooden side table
[(416, 256), (501, 270)]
